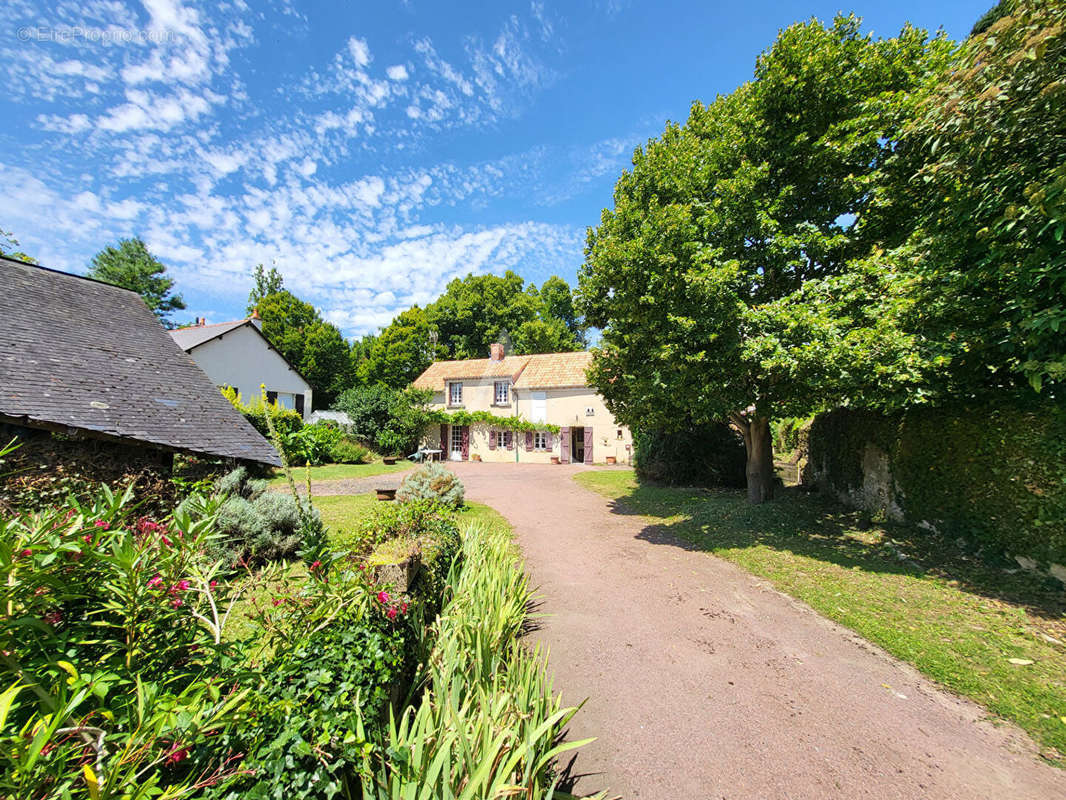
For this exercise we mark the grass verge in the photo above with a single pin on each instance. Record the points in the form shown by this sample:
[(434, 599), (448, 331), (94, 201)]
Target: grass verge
[(338, 472), (923, 599)]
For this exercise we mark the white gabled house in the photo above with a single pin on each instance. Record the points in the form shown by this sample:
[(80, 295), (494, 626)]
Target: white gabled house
[(237, 354)]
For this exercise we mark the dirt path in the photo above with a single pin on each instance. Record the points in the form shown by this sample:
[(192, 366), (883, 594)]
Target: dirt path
[(704, 682)]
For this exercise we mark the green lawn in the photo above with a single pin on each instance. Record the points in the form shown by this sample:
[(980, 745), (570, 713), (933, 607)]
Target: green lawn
[(922, 599), (335, 472)]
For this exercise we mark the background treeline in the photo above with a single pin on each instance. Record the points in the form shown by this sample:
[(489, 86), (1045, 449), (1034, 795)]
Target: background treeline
[(473, 312), (871, 223)]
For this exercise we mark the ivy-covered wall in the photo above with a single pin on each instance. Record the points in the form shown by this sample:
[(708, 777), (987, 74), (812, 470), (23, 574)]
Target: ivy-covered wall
[(994, 473)]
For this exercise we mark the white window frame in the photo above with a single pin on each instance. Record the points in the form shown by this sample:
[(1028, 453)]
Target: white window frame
[(540, 440), (455, 393), (501, 393), (539, 403), (455, 443)]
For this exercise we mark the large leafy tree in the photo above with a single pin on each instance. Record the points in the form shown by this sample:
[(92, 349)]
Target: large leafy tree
[(981, 180), (402, 351), (712, 277), (315, 347), (267, 281), (130, 265), (478, 310)]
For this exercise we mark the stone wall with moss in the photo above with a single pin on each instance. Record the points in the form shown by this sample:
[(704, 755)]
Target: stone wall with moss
[(994, 474)]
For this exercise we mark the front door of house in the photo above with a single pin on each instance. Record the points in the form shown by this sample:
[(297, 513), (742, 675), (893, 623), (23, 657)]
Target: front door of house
[(577, 445), (455, 451)]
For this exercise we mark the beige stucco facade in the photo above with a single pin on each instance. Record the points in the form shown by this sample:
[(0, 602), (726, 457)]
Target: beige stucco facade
[(574, 409)]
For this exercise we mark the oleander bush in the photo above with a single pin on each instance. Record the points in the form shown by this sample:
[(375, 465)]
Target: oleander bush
[(432, 481), (111, 654)]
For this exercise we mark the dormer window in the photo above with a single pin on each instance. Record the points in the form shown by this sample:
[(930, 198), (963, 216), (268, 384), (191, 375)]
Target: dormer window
[(455, 393), (503, 393)]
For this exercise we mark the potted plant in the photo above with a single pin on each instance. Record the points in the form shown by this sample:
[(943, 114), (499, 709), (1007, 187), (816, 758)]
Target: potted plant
[(391, 443)]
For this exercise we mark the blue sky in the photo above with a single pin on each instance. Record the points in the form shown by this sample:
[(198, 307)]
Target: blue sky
[(372, 151)]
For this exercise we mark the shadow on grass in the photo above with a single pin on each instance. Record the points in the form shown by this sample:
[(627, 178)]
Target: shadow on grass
[(815, 527)]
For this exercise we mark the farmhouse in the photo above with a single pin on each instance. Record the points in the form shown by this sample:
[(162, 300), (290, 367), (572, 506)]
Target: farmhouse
[(549, 389), (237, 355), (89, 361)]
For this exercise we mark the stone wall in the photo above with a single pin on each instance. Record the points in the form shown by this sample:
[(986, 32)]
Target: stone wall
[(994, 474)]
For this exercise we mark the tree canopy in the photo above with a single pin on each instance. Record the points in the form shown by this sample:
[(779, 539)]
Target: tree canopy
[(315, 347), (473, 313), (132, 266), (712, 277), (982, 183)]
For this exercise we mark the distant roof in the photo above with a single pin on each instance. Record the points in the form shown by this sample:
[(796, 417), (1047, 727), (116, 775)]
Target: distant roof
[(81, 354), (196, 335), (190, 338), (542, 371)]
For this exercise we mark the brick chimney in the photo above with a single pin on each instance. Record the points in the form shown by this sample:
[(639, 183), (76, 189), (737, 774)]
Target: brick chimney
[(255, 319), (496, 352)]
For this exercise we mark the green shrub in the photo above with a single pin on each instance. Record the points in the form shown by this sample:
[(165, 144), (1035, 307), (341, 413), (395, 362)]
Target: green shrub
[(700, 455), (993, 474), (788, 434), (112, 627), (312, 444), (257, 525), (349, 451), (286, 421), (432, 481), (393, 420), (323, 703)]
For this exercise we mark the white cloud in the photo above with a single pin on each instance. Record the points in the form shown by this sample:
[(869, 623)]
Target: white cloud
[(359, 50), (160, 137)]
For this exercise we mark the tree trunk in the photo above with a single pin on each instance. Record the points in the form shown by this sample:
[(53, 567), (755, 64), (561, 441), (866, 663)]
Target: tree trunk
[(759, 446)]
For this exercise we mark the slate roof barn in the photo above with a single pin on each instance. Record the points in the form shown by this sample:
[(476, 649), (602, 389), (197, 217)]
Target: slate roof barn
[(80, 355)]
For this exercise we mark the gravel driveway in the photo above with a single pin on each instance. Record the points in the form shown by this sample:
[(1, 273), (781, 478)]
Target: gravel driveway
[(704, 682)]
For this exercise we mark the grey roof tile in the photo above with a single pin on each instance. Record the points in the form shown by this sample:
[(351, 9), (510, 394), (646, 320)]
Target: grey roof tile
[(87, 355)]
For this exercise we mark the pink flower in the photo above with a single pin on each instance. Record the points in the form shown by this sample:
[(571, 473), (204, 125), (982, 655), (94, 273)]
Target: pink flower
[(177, 754), (383, 597), (102, 523), (87, 538), (182, 586), (278, 601), (165, 540), (315, 564), (175, 602), (213, 584), (26, 553), (403, 608), (154, 581), (391, 613)]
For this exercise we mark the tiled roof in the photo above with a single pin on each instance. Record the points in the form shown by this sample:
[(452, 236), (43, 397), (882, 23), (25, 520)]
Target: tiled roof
[(543, 371), (471, 369), (82, 354), (555, 370), (188, 338)]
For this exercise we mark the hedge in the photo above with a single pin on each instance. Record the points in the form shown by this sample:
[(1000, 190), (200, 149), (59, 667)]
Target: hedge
[(700, 455), (994, 474)]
